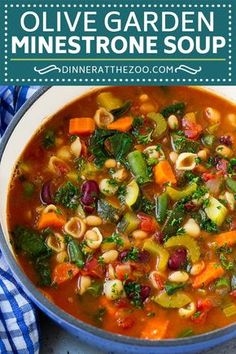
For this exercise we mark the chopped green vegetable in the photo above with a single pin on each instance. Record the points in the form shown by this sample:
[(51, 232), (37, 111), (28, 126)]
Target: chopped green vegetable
[(114, 238), (29, 241), (95, 289), (108, 101), (138, 166), (118, 145), (181, 144), (186, 333), (29, 189), (67, 195), (132, 255), (118, 112), (171, 288), (176, 194), (75, 253), (185, 241), (97, 147), (216, 211), (132, 193), (133, 291), (208, 140), (222, 282), (177, 300), (49, 139), (230, 309), (176, 109), (174, 220), (157, 250), (128, 223), (161, 124), (107, 212), (43, 269), (231, 184), (161, 207)]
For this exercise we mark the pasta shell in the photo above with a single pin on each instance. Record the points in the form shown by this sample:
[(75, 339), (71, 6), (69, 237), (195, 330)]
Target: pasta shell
[(75, 227), (186, 161), (93, 238), (102, 118)]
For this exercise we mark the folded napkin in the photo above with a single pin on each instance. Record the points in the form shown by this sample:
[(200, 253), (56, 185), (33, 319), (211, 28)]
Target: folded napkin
[(18, 323)]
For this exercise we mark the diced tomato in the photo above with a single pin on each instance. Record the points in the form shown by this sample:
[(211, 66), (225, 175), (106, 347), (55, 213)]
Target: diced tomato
[(204, 305), (124, 319), (148, 224), (94, 268), (122, 303), (233, 294), (192, 129), (123, 271), (159, 281), (206, 176), (84, 149)]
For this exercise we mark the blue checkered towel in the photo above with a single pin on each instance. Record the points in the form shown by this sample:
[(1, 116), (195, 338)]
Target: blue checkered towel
[(18, 325)]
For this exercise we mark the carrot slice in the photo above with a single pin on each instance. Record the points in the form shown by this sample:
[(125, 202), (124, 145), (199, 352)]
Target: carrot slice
[(63, 272), (51, 219), (163, 173), (212, 271), (123, 124), (156, 328), (81, 126), (226, 238)]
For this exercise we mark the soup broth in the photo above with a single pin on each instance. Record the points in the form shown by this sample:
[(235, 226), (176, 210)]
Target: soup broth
[(121, 210)]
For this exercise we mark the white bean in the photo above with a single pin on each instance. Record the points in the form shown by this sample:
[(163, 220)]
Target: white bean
[(110, 256), (64, 153), (113, 289), (179, 276), (76, 147), (192, 228), (93, 220), (83, 284), (197, 268), (110, 163), (173, 156), (173, 122), (139, 234)]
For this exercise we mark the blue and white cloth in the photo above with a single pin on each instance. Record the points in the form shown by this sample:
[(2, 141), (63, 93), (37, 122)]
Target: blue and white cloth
[(18, 320)]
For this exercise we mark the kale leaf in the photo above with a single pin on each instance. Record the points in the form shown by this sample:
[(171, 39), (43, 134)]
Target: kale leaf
[(29, 241), (68, 196), (49, 139)]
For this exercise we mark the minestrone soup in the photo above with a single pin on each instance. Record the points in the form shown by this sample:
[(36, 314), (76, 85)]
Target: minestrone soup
[(122, 210)]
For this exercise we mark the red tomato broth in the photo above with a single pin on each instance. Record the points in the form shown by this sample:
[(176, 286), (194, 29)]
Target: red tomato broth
[(25, 210)]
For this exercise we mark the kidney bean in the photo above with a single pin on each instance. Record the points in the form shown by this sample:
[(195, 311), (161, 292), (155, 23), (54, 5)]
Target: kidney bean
[(145, 292), (178, 259), (90, 192), (46, 196), (226, 140), (159, 237), (143, 256)]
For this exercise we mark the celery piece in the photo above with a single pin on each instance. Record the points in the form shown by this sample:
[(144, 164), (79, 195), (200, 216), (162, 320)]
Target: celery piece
[(185, 241), (108, 101), (132, 193), (216, 211), (177, 300), (157, 250), (231, 184), (176, 194), (161, 124), (229, 310), (208, 140), (128, 223)]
